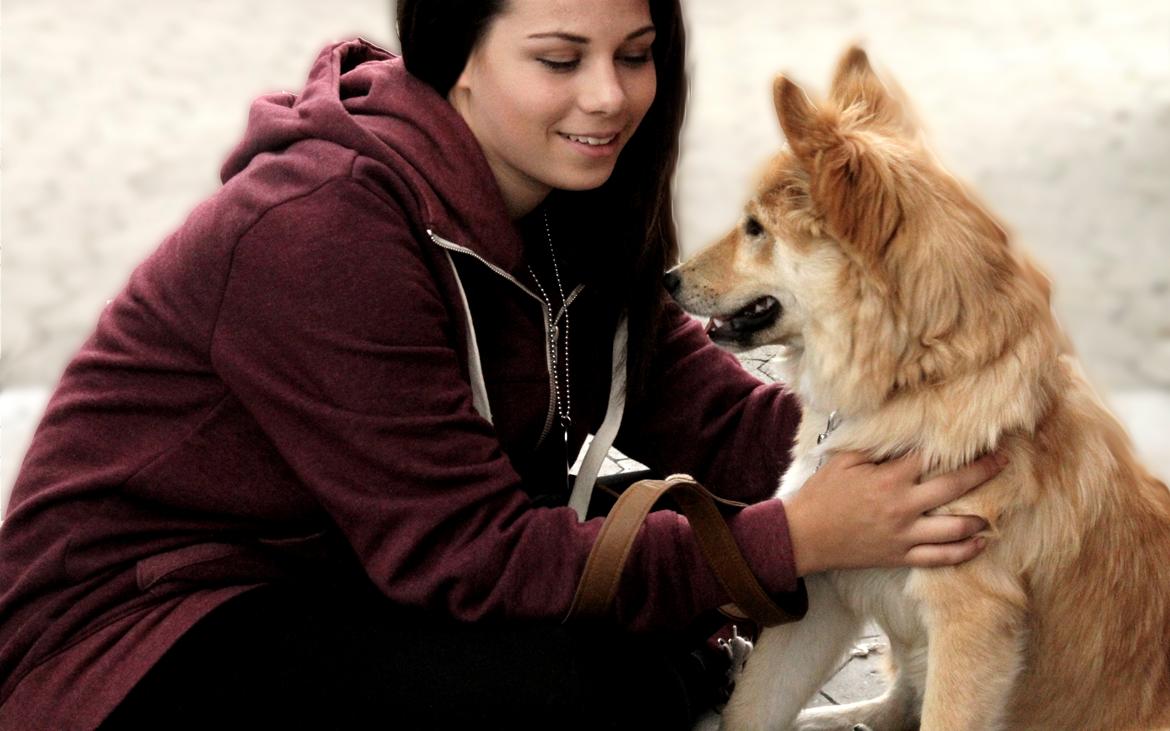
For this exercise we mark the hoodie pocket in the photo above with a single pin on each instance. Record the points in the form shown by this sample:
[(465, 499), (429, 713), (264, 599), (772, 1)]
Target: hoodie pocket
[(235, 563)]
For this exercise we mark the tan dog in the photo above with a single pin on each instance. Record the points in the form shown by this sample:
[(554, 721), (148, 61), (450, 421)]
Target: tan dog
[(906, 310)]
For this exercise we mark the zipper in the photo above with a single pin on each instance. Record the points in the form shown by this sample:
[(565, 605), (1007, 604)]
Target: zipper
[(550, 322)]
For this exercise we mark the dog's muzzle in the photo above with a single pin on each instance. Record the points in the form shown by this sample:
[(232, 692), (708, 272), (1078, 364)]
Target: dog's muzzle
[(739, 326)]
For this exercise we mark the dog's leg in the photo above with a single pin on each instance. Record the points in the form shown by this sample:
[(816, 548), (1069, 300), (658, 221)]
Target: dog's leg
[(791, 662), (976, 626), (895, 710), (887, 712)]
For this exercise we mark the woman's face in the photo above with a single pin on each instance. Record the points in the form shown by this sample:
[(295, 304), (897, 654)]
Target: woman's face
[(554, 90)]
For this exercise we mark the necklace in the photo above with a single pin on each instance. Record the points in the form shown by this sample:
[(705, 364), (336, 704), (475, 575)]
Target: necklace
[(564, 401)]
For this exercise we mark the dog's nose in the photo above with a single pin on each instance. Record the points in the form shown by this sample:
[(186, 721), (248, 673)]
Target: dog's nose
[(671, 281)]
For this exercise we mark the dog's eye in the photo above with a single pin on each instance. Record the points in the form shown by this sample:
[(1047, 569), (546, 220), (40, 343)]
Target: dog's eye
[(752, 227)]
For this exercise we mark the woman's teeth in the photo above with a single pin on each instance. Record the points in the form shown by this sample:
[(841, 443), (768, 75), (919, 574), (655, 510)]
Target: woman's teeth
[(592, 140)]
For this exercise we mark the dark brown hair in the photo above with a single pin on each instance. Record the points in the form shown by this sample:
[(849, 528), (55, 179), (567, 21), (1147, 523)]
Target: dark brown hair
[(628, 222)]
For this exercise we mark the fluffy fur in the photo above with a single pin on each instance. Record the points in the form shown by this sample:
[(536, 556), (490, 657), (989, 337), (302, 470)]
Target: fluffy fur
[(906, 308)]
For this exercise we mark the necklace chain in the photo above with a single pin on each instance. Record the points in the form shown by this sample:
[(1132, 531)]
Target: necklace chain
[(564, 400)]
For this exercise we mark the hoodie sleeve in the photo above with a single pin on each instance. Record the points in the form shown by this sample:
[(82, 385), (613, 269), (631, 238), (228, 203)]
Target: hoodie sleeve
[(333, 333), (704, 415)]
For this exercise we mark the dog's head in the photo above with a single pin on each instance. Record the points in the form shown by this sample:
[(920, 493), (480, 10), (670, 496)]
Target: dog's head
[(860, 253)]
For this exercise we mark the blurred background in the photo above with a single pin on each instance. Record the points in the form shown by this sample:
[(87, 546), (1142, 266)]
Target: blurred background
[(116, 115)]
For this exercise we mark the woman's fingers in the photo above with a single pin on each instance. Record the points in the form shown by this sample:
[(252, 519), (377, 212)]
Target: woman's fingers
[(904, 469), (945, 528), (929, 555), (946, 487)]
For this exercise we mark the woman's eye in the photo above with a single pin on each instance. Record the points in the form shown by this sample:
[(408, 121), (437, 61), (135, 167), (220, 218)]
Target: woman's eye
[(640, 59), (559, 65), (752, 227)]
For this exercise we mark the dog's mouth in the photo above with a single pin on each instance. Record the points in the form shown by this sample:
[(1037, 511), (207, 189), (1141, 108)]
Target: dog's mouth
[(743, 323)]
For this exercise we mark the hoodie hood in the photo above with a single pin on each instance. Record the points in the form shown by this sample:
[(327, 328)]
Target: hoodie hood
[(361, 97)]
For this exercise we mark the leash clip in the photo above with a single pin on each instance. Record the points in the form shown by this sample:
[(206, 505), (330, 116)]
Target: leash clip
[(830, 427)]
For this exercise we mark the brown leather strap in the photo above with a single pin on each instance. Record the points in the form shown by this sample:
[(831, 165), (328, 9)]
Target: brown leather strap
[(603, 568)]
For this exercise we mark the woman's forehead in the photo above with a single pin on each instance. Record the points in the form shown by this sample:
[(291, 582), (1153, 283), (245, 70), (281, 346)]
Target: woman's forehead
[(583, 18)]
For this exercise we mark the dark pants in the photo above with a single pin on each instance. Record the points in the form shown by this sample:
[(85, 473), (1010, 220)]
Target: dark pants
[(306, 656)]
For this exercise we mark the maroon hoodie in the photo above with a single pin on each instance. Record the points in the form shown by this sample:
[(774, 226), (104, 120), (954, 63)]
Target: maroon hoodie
[(283, 388)]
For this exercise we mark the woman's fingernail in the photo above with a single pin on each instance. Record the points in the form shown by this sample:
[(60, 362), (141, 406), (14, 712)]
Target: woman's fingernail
[(1002, 459)]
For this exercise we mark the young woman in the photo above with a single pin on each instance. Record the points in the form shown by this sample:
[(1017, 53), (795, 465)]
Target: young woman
[(310, 470)]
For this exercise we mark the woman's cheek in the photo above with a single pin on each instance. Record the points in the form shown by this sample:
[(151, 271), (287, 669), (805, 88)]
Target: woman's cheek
[(647, 91)]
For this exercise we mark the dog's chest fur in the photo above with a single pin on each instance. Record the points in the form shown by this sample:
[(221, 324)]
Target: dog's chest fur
[(880, 594), (807, 453)]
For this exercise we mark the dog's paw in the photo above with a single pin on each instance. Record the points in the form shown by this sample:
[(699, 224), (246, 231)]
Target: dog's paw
[(824, 724), (737, 649), (829, 718)]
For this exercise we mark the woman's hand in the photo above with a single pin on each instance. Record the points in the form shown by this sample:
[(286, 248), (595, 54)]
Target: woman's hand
[(856, 514)]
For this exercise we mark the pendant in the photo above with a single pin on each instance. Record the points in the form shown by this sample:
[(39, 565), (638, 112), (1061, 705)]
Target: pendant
[(568, 463)]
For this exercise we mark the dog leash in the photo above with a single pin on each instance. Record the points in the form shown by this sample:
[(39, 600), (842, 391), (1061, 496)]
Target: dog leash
[(603, 569)]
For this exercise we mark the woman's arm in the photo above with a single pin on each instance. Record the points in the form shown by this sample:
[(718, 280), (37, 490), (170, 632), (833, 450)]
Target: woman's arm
[(334, 335), (704, 415)]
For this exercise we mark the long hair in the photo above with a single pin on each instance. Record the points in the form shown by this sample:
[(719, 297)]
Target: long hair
[(628, 221)]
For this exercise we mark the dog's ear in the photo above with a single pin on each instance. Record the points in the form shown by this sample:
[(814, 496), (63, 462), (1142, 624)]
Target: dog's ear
[(850, 183), (805, 128), (858, 89)]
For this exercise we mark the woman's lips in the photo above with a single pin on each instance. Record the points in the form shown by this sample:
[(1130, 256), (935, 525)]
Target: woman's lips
[(595, 144)]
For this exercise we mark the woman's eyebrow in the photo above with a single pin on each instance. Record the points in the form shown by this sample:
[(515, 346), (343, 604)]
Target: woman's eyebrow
[(572, 38)]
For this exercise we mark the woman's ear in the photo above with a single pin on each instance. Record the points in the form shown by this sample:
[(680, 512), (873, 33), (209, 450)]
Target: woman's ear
[(459, 92)]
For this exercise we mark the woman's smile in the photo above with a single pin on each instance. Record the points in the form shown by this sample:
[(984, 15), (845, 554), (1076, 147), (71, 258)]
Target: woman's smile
[(595, 144)]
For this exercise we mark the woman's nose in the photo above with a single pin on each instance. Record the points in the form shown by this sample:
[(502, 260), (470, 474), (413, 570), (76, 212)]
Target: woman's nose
[(603, 92)]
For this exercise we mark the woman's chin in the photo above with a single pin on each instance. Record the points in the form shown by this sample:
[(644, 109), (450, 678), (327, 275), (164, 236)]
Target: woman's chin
[(585, 180)]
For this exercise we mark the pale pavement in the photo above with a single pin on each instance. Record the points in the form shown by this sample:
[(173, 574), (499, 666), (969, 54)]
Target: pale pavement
[(117, 113)]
